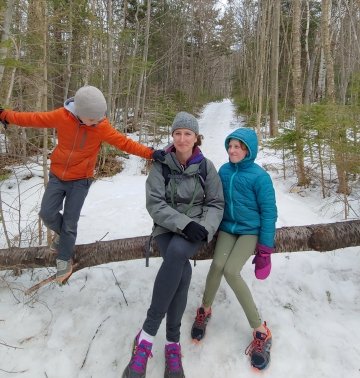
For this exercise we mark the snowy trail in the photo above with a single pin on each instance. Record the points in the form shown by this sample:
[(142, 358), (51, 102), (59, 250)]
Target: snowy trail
[(85, 329), (214, 125)]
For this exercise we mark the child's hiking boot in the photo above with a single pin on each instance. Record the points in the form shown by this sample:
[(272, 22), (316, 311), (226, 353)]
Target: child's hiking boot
[(140, 354), (259, 349), (54, 246), (199, 326), (173, 365), (64, 270)]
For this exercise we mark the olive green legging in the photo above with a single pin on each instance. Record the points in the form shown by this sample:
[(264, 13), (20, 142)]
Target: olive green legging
[(231, 253)]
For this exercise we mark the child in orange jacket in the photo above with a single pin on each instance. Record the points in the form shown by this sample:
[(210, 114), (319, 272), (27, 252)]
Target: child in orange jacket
[(81, 126)]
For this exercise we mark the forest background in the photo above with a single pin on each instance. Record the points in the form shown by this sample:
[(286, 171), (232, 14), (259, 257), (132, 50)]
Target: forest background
[(290, 67)]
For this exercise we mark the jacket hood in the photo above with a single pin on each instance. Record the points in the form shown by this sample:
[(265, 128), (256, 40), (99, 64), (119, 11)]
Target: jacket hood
[(69, 105), (195, 158), (249, 138)]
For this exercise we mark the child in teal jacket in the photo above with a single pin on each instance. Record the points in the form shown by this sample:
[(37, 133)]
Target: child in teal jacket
[(248, 226)]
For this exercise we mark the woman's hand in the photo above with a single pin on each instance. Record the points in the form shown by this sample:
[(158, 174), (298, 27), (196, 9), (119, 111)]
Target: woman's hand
[(195, 232)]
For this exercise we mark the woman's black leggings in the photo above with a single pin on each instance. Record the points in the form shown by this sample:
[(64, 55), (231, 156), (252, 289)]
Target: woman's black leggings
[(171, 285)]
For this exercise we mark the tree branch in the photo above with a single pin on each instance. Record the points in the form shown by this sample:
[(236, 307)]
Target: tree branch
[(317, 237)]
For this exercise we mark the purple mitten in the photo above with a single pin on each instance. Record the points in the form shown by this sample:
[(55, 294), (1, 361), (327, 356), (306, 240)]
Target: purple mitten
[(262, 261)]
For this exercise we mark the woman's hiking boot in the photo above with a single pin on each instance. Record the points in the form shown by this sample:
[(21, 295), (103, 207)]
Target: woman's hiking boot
[(139, 358), (259, 349), (199, 326), (173, 365)]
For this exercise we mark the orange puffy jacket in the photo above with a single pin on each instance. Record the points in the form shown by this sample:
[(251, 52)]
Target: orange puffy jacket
[(74, 157)]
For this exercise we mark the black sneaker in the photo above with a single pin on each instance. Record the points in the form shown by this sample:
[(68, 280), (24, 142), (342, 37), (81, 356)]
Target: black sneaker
[(259, 349), (199, 327)]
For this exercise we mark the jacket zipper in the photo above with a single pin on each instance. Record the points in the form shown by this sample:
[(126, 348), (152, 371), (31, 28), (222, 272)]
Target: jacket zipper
[(73, 148), (231, 197)]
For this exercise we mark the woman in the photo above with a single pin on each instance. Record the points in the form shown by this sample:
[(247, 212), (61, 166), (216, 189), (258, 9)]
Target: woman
[(248, 225), (187, 211)]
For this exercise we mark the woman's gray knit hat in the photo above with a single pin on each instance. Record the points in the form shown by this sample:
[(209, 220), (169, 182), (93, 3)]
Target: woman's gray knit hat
[(89, 102), (184, 120)]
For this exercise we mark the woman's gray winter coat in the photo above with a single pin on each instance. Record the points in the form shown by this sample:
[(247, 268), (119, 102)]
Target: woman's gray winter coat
[(184, 198)]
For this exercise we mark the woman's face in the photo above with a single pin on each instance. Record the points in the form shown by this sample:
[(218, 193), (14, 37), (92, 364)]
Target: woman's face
[(184, 140), (237, 150)]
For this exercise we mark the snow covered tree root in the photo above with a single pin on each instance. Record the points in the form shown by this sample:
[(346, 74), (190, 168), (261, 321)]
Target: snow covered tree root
[(316, 237)]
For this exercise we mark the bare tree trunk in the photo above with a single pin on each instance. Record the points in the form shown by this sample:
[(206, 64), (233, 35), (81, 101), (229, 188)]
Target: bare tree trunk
[(44, 107), (308, 94), (296, 73), (141, 84), (6, 33), (322, 76), (69, 54), (87, 63), (3, 222), (13, 72), (119, 77), (274, 90), (309, 61), (340, 137), (110, 59), (131, 72), (316, 237), (261, 66), (326, 41), (321, 166)]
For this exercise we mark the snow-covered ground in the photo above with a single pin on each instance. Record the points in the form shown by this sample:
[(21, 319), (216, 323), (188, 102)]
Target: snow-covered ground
[(311, 300)]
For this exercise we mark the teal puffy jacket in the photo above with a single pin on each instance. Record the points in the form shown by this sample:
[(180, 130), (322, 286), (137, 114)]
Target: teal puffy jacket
[(250, 205)]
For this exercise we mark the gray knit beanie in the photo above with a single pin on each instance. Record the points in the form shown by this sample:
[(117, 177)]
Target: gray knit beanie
[(184, 120), (89, 102)]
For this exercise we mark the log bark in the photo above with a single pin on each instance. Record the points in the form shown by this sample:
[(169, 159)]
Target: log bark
[(316, 237)]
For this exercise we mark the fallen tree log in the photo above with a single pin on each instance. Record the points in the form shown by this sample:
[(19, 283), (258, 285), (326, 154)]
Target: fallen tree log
[(316, 237)]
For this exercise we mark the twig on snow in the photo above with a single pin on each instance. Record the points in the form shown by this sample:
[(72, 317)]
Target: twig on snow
[(9, 346), (13, 372), (88, 349), (118, 285)]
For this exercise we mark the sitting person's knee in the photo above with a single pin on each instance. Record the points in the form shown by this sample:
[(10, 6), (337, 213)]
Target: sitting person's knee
[(230, 274)]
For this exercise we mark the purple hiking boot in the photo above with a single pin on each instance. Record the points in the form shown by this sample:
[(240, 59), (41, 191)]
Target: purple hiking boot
[(140, 354), (173, 365)]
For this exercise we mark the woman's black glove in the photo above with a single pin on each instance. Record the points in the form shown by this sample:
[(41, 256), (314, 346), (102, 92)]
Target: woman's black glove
[(195, 232), (159, 155)]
